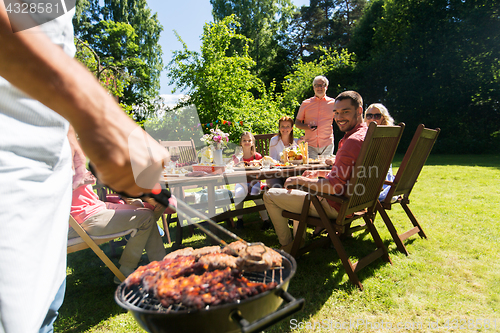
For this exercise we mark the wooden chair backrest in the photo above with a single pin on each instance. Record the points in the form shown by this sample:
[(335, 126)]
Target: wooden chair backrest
[(371, 168), (262, 143), (415, 157), (187, 150)]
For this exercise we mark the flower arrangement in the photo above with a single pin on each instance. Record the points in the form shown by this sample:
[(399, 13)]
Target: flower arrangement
[(216, 138)]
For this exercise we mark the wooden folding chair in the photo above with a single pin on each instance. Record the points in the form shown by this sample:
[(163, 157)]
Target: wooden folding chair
[(188, 155), (262, 142), (361, 198), (187, 150), (104, 193), (86, 241), (404, 181)]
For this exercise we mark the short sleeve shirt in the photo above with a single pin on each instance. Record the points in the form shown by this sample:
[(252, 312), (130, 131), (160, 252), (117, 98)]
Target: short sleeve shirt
[(319, 110)]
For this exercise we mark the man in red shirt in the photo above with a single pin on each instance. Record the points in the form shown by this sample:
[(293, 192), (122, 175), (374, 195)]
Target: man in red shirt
[(347, 111), (315, 117)]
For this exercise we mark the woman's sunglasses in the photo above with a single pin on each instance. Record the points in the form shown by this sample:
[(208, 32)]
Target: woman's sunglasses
[(375, 116)]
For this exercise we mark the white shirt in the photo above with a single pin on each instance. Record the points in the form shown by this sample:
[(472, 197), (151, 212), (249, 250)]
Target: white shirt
[(276, 146), (35, 192)]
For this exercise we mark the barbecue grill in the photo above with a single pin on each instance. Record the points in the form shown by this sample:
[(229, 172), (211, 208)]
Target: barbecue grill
[(250, 315)]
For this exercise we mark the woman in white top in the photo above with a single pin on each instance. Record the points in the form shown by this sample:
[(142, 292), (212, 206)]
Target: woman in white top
[(278, 143)]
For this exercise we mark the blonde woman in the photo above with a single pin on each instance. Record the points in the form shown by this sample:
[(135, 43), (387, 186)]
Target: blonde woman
[(378, 113)]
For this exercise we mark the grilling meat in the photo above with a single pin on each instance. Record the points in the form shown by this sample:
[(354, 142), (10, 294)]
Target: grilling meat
[(206, 276), (198, 253), (219, 261), (256, 257), (181, 252), (209, 288), (235, 248)]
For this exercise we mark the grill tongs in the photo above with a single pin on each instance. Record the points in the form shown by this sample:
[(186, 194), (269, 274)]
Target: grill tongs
[(252, 260)]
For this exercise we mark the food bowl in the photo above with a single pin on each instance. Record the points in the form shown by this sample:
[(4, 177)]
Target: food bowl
[(216, 169)]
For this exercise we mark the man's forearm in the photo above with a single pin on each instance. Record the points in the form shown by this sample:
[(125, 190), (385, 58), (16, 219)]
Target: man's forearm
[(300, 125), (323, 173)]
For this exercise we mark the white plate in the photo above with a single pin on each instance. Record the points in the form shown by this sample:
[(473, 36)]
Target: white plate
[(296, 161)]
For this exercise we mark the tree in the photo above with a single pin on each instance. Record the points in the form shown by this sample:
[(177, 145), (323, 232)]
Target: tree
[(264, 23), (111, 75), (325, 23), (221, 84), (103, 28), (435, 62)]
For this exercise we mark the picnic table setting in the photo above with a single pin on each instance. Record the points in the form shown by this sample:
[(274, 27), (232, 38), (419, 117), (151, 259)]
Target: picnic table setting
[(215, 177)]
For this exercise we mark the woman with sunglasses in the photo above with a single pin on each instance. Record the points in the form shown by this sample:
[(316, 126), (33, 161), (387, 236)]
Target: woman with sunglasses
[(380, 115)]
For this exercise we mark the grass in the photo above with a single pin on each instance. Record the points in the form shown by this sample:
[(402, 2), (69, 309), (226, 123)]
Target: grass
[(452, 279)]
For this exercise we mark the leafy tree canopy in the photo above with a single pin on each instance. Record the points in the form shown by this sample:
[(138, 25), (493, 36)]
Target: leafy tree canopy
[(220, 83), (264, 23), (435, 62), (325, 23), (125, 37)]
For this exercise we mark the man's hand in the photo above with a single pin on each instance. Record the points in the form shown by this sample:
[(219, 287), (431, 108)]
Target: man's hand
[(130, 164), (296, 181), (310, 174), (313, 174), (329, 161)]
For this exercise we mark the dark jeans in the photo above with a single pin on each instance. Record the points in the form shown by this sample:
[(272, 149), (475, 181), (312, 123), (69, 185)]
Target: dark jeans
[(50, 318)]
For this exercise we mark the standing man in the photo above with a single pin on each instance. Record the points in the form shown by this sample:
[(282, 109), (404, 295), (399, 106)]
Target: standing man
[(348, 114), (315, 116), (42, 91)]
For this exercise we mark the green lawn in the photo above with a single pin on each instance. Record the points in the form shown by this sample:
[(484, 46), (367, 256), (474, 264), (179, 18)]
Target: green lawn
[(452, 279)]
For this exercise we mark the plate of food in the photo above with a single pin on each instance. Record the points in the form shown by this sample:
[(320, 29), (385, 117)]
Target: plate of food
[(284, 167), (296, 162)]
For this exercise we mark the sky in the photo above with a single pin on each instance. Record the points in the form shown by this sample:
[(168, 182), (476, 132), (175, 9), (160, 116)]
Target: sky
[(187, 17)]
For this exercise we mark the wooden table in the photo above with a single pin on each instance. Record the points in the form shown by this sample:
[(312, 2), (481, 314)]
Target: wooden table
[(212, 182)]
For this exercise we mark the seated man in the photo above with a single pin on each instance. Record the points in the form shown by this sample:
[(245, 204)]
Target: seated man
[(103, 218), (348, 114)]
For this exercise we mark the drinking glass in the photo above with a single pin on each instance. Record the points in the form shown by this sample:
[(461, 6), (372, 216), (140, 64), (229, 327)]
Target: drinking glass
[(266, 164), (312, 125), (238, 152), (174, 157)]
